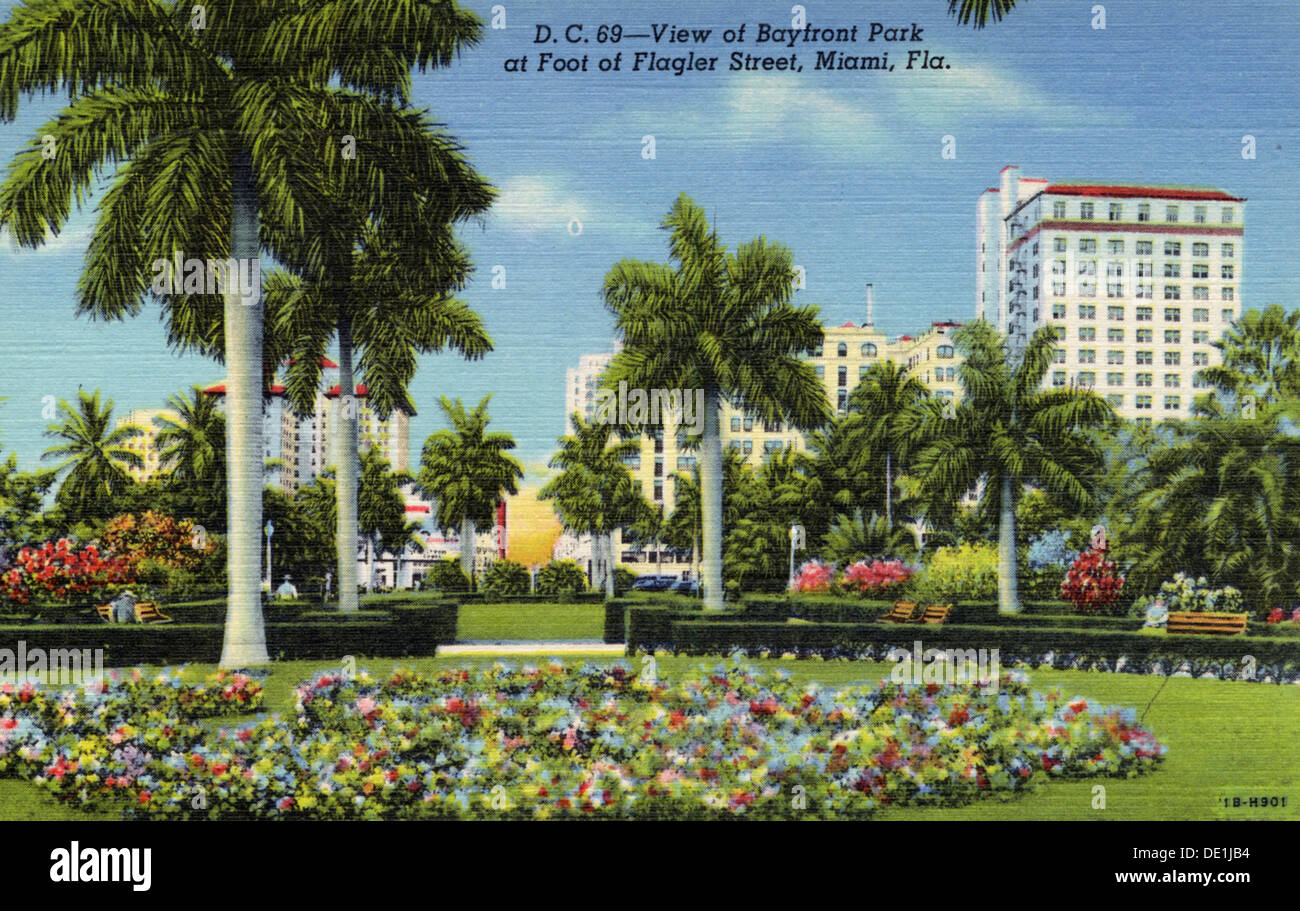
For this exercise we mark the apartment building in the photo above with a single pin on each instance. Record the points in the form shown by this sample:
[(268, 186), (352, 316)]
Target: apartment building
[(298, 448), (145, 445), (1136, 281), (846, 353)]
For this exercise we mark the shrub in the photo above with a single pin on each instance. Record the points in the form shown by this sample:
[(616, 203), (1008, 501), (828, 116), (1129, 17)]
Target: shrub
[(446, 576), (57, 574), (965, 573), (814, 577), (874, 577), (1050, 550), (506, 577), (158, 538), (623, 579), (1183, 593), (1094, 583), (561, 577)]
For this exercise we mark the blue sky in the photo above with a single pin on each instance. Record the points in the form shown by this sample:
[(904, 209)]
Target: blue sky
[(843, 167)]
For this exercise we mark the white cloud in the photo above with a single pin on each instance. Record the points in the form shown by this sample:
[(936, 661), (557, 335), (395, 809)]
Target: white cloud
[(72, 239)]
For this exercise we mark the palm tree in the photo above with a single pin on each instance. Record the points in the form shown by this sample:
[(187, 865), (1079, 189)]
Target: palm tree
[(1261, 355), (1007, 432), (856, 537), (876, 424), (387, 307), (191, 442), (980, 12), (228, 133), (594, 492), (724, 324), (649, 526), (685, 520), (466, 471), (381, 510), (94, 460)]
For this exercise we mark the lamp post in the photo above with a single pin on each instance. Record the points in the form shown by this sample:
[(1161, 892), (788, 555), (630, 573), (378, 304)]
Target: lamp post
[(797, 539), (270, 530)]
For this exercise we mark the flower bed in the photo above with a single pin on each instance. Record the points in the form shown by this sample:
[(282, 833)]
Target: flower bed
[(555, 740)]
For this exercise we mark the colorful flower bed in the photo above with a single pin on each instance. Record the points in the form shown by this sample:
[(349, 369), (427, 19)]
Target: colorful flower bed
[(558, 741), (59, 572), (875, 577)]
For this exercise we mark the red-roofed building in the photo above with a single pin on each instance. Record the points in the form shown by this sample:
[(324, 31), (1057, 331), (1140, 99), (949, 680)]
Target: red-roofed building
[(1137, 280)]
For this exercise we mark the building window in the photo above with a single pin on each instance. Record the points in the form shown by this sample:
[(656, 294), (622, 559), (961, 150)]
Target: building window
[(817, 350), (1115, 246), (1114, 334), (1087, 355), (842, 349), (842, 400), (1087, 288), (1226, 251), (1115, 211), (1145, 290), (843, 378), (1115, 400), (862, 372), (1173, 248), (1086, 379), (1058, 311), (735, 425), (1087, 245), (944, 351), (1144, 211), (821, 371), (749, 423), (1201, 337), (1200, 270), (1225, 293), (1173, 314), (1142, 379), (1173, 402), (1200, 292), (1058, 378), (659, 490), (747, 446), (1143, 357), (1171, 213), (1173, 270), (1114, 289), (1173, 292), (1228, 316), (1115, 356), (1226, 271), (1088, 267), (868, 349), (1198, 215), (1058, 209), (1114, 312), (1087, 333), (1087, 311), (1143, 247), (1201, 315), (1200, 382), (1058, 267), (1173, 380), (1115, 379), (1200, 359), (1059, 244), (659, 468), (1173, 337), (1200, 249), (1228, 215)]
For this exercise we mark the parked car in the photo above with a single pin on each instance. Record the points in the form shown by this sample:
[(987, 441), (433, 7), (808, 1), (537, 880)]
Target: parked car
[(652, 583), (685, 587)]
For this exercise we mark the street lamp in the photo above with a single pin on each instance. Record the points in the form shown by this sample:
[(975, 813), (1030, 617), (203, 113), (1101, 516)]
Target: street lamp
[(797, 540), (270, 530)]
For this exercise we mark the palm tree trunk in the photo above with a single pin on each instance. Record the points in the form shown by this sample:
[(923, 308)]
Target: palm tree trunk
[(711, 501), (609, 566), (346, 466), (889, 491), (245, 636), (659, 557), (467, 549), (1008, 584)]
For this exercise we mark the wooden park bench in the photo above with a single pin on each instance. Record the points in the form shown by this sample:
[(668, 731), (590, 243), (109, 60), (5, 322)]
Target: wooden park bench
[(1214, 624), (936, 613), (901, 612), (145, 612)]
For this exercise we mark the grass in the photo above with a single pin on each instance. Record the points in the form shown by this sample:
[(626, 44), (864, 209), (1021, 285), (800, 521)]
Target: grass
[(1225, 738), (555, 622)]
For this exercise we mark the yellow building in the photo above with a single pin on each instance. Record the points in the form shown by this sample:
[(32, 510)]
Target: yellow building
[(145, 445)]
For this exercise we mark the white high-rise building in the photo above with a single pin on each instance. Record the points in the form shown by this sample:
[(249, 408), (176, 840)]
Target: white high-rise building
[(1136, 281)]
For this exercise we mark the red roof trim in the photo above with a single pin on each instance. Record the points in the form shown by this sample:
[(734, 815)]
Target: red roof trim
[(334, 390), (1034, 180), (324, 362), (1130, 191), (417, 508), (1009, 167)]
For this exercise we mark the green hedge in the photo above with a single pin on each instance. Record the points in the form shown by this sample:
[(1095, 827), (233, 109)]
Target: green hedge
[(404, 631), (616, 620), (695, 637)]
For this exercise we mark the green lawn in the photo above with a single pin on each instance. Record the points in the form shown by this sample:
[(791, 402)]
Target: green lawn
[(1224, 738), (554, 622)]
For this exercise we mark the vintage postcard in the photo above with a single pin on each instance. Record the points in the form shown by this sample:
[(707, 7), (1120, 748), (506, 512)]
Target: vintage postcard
[(535, 410)]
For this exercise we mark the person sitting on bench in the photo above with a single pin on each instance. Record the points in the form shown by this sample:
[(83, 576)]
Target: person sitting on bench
[(1157, 615), (286, 589), (123, 608)]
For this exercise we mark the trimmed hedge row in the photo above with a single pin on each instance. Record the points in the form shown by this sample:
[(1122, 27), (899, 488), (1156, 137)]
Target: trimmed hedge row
[(407, 630), (695, 637)]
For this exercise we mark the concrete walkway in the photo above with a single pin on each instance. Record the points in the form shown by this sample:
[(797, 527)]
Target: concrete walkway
[(533, 647)]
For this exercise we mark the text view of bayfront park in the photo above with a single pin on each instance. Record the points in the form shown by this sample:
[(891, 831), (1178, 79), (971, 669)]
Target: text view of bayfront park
[(789, 441)]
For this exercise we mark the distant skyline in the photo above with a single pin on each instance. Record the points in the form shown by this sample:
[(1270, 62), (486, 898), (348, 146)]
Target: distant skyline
[(842, 167)]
